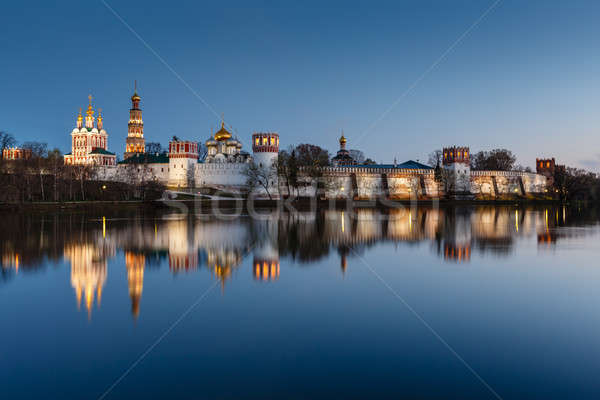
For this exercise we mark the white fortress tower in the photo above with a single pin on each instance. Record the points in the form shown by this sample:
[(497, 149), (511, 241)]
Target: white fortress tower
[(265, 147), (183, 157), (266, 252), (457, 161)]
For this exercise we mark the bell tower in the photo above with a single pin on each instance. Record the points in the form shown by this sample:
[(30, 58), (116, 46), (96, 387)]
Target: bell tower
[(135, 142)]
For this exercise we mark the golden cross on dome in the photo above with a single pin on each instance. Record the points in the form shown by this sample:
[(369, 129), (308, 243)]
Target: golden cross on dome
[(90, 110)]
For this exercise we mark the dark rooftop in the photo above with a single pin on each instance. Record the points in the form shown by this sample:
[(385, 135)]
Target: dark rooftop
[(405, 165), (98, 150), (147, 158)]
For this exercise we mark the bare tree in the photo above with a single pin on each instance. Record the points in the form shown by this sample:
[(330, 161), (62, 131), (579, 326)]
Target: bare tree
[(154, 148), (452, 182), (495, 160), (6, 140), (357, 155), (576, 184), (521, 168), (260, 177), (435, 158), (191, 177), (55, 162), (82, 173), (369, 161), (202, 151), (39, 152), (287, 168), (415, 186)]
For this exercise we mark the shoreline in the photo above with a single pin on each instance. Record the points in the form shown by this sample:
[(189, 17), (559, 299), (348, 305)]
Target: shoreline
[(301, 204)]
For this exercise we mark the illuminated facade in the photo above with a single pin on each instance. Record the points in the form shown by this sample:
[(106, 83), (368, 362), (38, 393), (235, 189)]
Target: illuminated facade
[(15, 153), (135, 264), (223, 167), (89, 142), (265, 146), (135, 142), (10, 259), (266, 270), (266, 257), (223, 148), (88, 273)]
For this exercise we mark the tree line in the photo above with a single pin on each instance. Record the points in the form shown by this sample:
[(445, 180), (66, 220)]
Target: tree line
[(44, 177)]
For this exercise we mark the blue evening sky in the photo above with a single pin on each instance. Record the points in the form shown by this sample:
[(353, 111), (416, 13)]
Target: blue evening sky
[(525, 78)]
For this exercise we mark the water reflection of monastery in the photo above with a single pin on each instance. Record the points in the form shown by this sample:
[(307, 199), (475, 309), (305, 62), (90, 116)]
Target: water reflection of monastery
[(189, 244), (88, 271)]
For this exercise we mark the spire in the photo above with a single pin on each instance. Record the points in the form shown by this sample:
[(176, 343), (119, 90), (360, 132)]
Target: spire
[(90, 110), (99, 123), (342, 141), (135, 99), (89, 118), (135, 142), (222, 134), (79, 120)]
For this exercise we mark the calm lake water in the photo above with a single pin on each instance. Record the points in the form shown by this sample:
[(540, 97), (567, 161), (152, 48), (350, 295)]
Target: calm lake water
[(423, 303)]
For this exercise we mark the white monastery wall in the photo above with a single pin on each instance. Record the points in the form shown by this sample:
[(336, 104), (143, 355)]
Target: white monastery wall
[(223, 174)]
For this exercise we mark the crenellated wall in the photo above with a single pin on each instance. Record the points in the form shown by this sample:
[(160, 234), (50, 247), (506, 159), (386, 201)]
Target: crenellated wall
[(395, 183), (497, 183), (345, 182)]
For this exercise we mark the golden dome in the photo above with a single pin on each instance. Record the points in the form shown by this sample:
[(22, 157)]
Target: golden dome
[(342, 139), (90, 110), (222, 134), (135, 95)]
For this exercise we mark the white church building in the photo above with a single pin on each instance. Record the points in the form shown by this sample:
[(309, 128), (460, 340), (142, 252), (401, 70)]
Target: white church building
[(223, 167)]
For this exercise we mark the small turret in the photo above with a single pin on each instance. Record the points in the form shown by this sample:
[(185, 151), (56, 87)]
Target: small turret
[(265, 146), (545, 166), (342, 142), (79, 120), (456, 154), (99, 121), (89, 115)]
